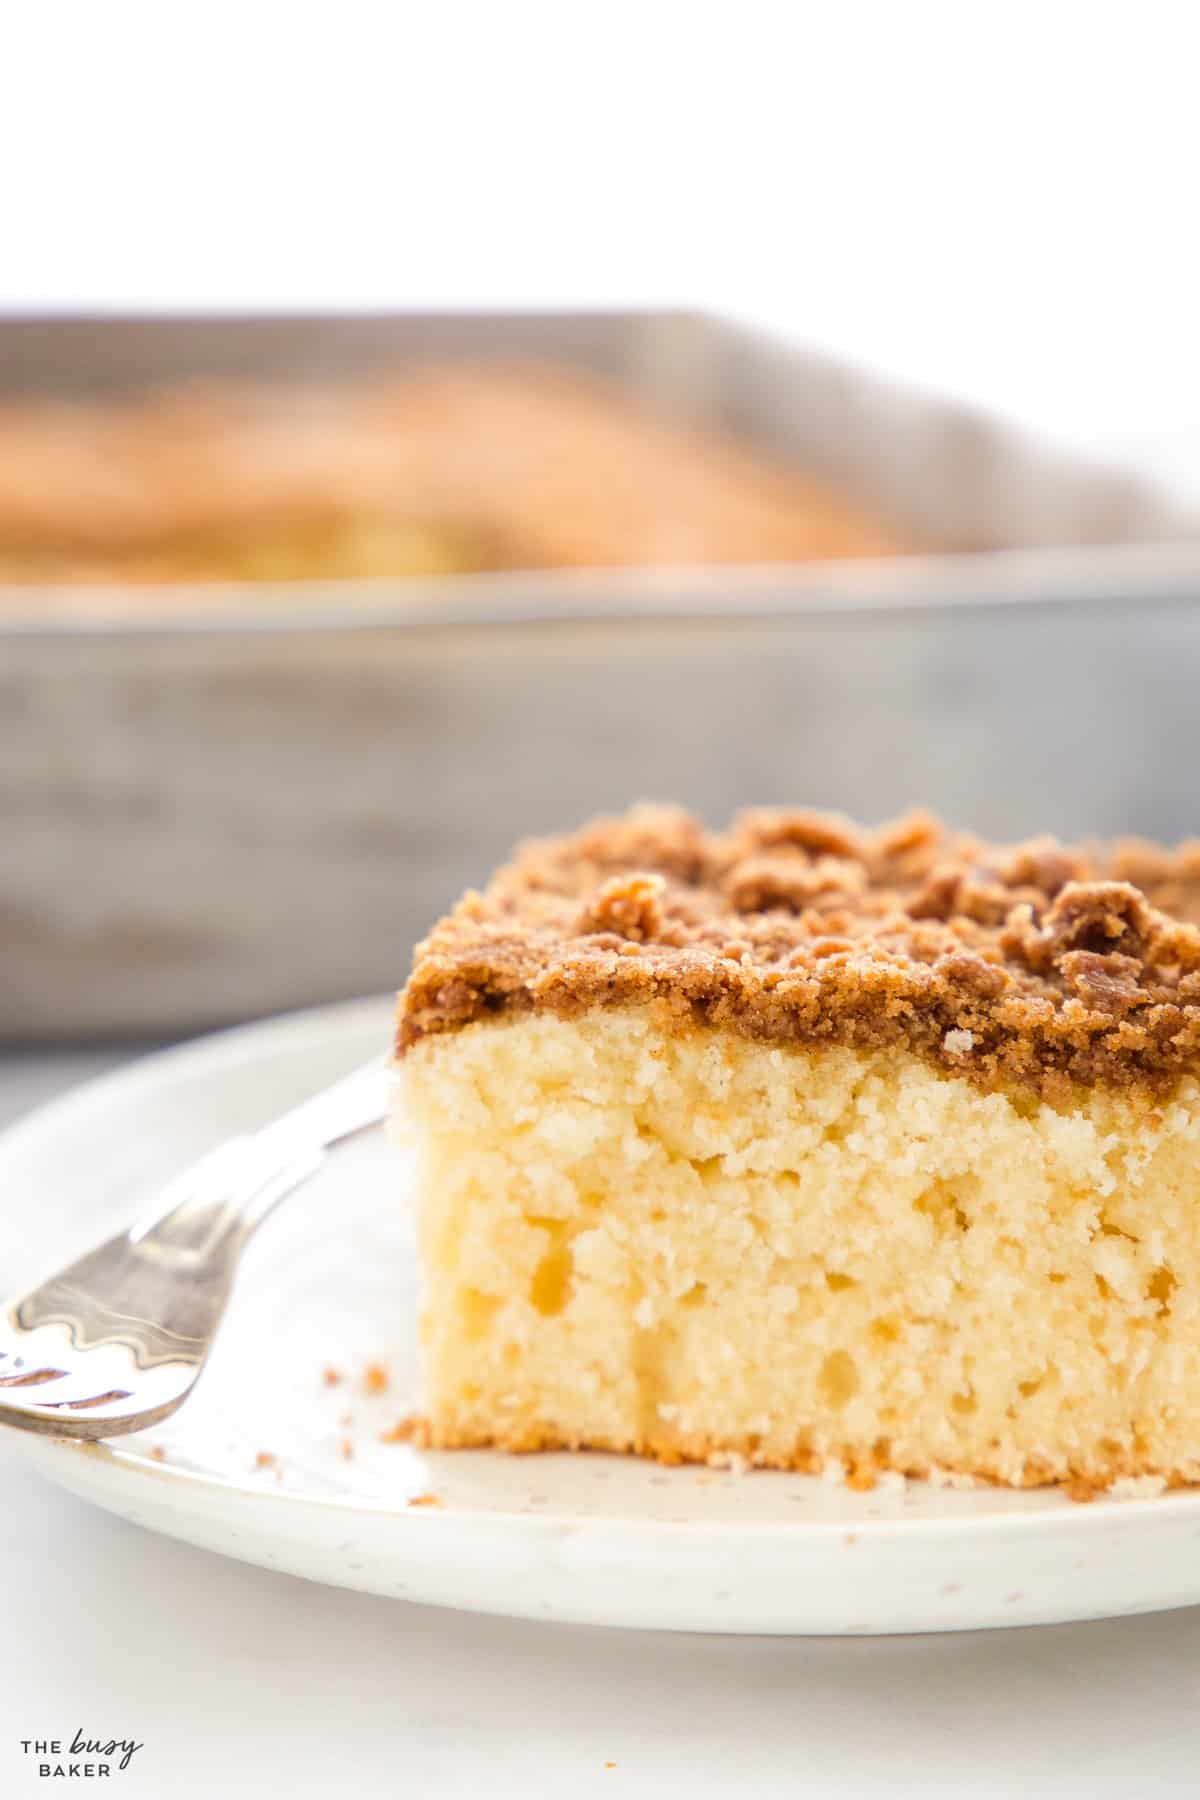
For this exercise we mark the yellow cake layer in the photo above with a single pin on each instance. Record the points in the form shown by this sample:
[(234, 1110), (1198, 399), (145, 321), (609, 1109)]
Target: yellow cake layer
[(687, 1244)]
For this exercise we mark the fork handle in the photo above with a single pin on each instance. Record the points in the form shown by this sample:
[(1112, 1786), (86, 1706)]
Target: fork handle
[(217, 1203), (351, 1104)]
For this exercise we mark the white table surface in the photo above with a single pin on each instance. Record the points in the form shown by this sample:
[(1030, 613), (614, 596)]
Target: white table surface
[(239, 1682)]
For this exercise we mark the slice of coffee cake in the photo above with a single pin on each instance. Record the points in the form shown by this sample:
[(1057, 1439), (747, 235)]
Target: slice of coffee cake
[(803, 1142)]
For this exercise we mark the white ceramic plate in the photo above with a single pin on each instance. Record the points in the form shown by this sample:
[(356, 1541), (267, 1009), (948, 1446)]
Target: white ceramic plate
[(331, 1282)]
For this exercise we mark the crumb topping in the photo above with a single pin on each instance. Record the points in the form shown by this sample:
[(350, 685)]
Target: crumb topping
[(629, 906), (1035, 964)]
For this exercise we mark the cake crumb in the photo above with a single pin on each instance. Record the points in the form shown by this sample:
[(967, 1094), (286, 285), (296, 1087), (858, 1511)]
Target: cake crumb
[(950, 1478), (331, 1377), (158, 1453), (347, 1449), (376, 1379), (732, 1460), (1081, 1492), (425, 1500), (412, 1429), (1137, 1487), (861, 1480), (265, 1459)]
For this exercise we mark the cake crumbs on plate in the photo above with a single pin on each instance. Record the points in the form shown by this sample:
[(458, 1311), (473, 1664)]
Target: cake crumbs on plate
[(331, 1377), (264, 1459), (412, 1429), (376, 1379), (424, 1500), (157, 1453), (347, 1450)]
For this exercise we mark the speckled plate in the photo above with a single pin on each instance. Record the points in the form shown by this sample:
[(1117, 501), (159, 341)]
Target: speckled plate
[(273, 1463)]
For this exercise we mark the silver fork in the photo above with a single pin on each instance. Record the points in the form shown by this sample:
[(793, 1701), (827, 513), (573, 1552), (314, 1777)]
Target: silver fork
[(116, 1341)]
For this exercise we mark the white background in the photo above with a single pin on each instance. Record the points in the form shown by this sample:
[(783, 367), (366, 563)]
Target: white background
[(997, 201), (993, 201)]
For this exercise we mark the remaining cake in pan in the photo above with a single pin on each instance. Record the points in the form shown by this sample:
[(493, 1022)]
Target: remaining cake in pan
[(438, 470), (804, 1142)]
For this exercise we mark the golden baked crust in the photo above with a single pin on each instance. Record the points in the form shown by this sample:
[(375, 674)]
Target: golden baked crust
[(1030, 966), (441, 469), (1085, 1480)]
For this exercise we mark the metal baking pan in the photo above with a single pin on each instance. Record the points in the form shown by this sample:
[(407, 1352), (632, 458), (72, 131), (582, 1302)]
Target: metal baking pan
[(262, 798)]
